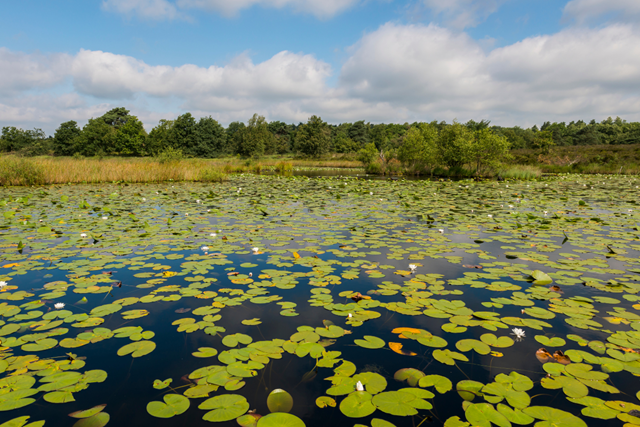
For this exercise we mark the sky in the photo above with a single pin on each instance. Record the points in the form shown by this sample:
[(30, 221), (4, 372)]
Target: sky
[(513, 62)]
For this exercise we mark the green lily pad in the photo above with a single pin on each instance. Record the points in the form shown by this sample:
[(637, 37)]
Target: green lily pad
[(225, 407), (279, 401), (370, 342), (280, 419), (174, 404), (357, 404), (137, 349), (552, 417), (98, 420)]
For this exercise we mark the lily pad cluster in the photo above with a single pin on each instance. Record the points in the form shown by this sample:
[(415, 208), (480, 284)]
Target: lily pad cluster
[(440, 277)]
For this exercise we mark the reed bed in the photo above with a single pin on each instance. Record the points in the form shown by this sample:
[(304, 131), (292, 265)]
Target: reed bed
[(63, 170)]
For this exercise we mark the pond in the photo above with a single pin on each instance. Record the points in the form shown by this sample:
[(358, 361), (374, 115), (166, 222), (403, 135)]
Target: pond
[(276, 301)]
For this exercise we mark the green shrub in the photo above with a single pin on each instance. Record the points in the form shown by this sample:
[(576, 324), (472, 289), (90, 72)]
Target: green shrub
[(284, 168), (212, 175), (169, 155), (18, 171), (374, 168)]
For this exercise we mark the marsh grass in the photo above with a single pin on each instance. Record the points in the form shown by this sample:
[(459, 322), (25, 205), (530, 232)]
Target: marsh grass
[(62, 170), (21, 171), (520, 172)]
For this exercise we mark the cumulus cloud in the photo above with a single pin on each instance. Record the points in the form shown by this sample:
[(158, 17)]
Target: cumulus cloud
[(438, 73), (284, 76), (22, 71), (460, 14), (589, 10), (396, 73), (164, 9)]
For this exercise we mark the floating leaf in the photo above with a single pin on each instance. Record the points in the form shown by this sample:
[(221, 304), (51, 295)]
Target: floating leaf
[(88, 412), (279, 401), (397, 347), (280, 419), (225, 407), (370, 342), (137, 349), (98, 420), (174, 404)]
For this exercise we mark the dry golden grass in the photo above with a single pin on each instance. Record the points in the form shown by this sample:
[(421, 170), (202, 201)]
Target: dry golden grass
[(63, 170)]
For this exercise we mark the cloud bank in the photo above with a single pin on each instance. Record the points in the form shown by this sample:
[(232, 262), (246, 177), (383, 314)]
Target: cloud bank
[(396, 73)]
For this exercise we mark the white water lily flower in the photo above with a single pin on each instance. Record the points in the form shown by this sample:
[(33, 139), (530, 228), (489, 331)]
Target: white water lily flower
[(441, 231), (519, 333), (359, 386), (83, 235), (198, 201), (59, 305), (213, 235), (490, 216), (250, 274), (105, 217), (205, 248), (350, 315), (371, 193), (187, 214), (412, 267), (144, 199), (255, 250), (3, 284)]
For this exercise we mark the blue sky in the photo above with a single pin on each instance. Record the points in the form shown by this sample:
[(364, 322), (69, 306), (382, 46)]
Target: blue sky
[(515, 62)]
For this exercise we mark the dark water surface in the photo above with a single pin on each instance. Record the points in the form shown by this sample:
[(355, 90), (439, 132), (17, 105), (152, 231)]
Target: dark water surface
[(321, 236)]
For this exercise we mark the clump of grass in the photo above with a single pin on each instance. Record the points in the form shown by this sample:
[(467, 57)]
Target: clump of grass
[(521, 172), (212, 174), (20, 171), (284, 168)]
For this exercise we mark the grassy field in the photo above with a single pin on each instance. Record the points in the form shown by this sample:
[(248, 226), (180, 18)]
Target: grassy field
[(525, 164), (63, 170)]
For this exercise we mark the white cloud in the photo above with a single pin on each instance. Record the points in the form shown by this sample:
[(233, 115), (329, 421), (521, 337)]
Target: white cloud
[(588, 10), (22, 71), (460, 14), (148, 9), (164, 9), (284, 76), (397, 73)]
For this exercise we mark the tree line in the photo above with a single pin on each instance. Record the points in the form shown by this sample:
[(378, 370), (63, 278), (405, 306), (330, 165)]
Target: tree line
[(118, 133)]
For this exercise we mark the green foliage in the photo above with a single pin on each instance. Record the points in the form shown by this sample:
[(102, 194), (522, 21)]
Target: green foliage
[(25, 142), (543, 141), (314, 138), (420, 147), (64, 138), (130, 138), (368, 154), (488, 150), (96, 136), (254, 138), (343, 144), (456, 145), (182, 134), (169, 155), (159, 136)]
